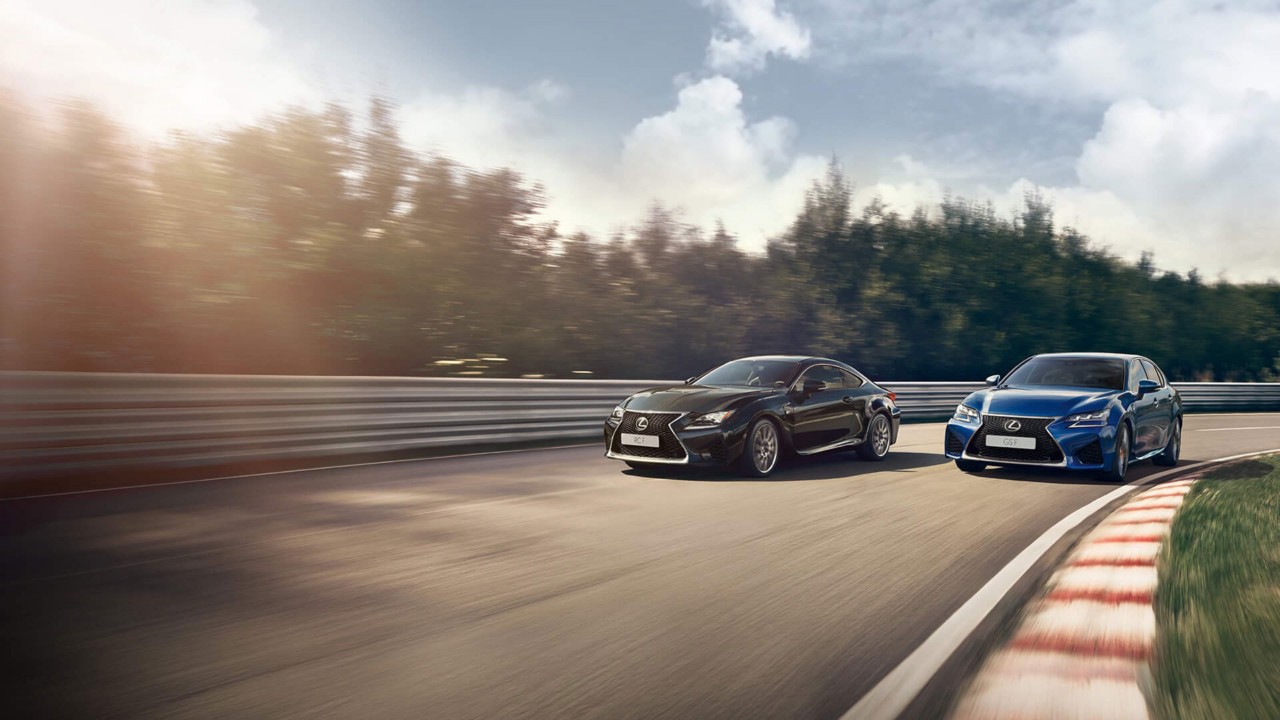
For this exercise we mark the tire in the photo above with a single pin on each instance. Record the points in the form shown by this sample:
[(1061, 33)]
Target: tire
[(761, 449), (971, 466), (879, 437), (1120, 458), (1173, 449)]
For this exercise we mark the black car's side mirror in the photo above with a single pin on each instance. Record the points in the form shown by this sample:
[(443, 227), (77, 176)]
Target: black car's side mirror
[(1146, 387), (812, 386), (993, 380)]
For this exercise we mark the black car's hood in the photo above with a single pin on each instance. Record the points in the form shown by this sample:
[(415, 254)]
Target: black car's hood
[(694, 398), (1039, 401)]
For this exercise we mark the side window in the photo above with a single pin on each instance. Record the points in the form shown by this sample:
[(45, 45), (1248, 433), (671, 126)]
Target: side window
[(827, 374), (1135, 374), (851, 380), (1153, 372)]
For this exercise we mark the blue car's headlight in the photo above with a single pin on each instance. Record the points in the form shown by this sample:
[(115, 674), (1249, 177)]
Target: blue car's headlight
[(1090, 419), (710, 419), (964, 413)]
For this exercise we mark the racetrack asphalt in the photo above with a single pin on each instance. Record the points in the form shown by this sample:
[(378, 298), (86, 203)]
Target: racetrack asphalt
[(540, 584)]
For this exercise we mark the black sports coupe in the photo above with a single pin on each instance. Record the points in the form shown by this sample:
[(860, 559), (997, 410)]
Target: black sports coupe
[(747, 412)]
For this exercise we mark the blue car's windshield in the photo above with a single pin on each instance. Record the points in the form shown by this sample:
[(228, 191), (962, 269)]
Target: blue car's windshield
[(764, 373), (1100, 373)]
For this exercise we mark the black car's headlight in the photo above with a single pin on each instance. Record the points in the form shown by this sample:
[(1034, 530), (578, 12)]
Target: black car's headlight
[(710, 419), (1097, 418), (964, 413), (616, 416)]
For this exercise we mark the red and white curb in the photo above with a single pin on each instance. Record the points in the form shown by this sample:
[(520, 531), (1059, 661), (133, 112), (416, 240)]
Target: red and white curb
[(1082, 649)]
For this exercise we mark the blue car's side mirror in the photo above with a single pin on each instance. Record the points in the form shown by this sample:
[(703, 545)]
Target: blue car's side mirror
[(1147, 386), (993, 380)]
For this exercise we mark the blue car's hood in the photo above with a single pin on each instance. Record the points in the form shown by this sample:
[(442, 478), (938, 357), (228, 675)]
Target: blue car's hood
[(1039, 401)]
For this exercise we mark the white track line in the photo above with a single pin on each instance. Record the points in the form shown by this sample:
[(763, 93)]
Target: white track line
[(895, 691), (1258, 427)]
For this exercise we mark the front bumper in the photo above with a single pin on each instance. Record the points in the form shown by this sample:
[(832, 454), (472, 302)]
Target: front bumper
[(1080, 448), (700, 446)]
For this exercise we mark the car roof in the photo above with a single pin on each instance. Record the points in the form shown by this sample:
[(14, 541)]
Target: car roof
[(1100, 355), (809, 359), (789, 358)]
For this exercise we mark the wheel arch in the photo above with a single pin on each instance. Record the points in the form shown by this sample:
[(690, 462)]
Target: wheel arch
[(880, 407), (784, 428), (1127, 421)]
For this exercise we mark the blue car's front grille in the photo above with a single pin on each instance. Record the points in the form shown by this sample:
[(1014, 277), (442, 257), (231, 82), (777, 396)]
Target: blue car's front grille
[(954, 444), (1046, 451)]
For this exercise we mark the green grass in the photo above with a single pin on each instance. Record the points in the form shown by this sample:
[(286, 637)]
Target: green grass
[(1218, 605)]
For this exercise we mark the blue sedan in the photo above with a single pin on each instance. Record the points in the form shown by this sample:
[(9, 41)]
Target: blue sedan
[(1079, 411)]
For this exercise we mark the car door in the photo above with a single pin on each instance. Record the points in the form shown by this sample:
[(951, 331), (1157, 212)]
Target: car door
[(1164, 414), (823, 417), (1144, 412), (857, 395)]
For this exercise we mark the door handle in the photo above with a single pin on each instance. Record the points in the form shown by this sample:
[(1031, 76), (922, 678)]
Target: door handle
[(847, 400)]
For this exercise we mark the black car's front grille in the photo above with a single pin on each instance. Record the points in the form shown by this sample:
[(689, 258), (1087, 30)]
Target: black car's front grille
[(954, 444), (1090, 454), (1046, 450), (659, 424)]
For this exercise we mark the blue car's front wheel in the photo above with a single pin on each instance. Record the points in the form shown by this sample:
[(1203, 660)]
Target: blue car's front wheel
[(1120, 458), (1169, 457)]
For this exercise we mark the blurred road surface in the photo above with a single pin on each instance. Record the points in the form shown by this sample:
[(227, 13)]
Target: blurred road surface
[(535, 584)]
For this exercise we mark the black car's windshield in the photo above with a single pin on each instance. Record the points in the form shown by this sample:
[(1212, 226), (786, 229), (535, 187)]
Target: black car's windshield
[(764, 373), (1100, 373)]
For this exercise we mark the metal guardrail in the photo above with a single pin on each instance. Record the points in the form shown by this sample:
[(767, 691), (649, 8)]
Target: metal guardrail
[(71, 423)]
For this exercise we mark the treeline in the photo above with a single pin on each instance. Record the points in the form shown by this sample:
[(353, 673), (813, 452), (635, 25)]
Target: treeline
[(310, 243)]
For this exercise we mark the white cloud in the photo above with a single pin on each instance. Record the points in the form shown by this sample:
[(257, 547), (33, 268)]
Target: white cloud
[(753, 30), (1187, 145), (155, 65), (481, 126), (706, 157), (703, 157), (487, 127), (1168, 51), (1202, 177)]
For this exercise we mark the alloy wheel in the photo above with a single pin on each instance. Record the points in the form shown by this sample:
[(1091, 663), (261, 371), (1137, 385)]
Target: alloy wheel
[(764, 444), (880, 436)]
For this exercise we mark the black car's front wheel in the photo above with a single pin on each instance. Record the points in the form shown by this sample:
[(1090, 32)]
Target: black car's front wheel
[(879, 437), (761, 449)]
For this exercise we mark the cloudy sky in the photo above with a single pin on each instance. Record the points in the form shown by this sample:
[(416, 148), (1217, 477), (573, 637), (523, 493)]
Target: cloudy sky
[(1153, 125)]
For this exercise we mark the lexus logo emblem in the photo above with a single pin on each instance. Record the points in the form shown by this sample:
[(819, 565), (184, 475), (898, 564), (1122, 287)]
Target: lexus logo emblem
[(642, 423), (1013, 425)]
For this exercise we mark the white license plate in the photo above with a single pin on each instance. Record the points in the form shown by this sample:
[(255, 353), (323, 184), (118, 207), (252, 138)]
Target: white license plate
[(641, 440), (1023, 443)]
